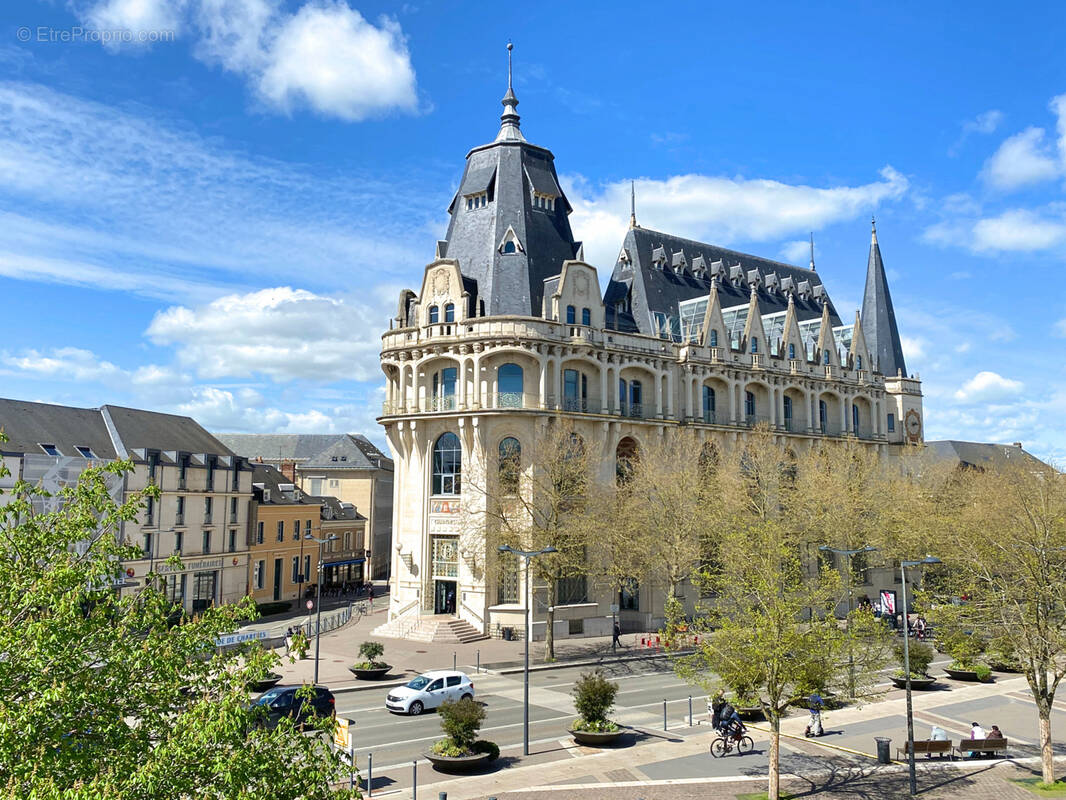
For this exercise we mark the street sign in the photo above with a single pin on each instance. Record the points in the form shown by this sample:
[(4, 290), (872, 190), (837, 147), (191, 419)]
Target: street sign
[(342, 737), (310, 604), (237, 638), (614, 608)]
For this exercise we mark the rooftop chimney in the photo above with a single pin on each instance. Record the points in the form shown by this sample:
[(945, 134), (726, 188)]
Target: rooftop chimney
[(288, 469)]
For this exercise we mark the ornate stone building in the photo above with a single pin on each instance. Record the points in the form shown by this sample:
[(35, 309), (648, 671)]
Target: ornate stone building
[(509, 329)]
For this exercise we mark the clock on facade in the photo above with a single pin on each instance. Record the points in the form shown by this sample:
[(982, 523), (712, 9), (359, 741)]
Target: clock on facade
[(913, 423)]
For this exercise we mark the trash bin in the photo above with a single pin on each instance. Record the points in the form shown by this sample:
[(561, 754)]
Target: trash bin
[(884, 754), (508, 634)]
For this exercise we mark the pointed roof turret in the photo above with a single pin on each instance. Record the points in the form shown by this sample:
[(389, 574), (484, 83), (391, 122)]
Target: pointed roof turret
[(633, 204), (509, 119), (812, 251), (878, 317)]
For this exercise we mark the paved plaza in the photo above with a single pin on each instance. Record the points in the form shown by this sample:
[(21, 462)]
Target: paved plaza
[(650, 762)]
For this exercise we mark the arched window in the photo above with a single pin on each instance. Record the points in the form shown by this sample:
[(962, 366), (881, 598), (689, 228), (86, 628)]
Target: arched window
[(714, 337), (858, 362), (447, 464), (825, 357), (623, 397), (823, 416), (625, 456), (571, 313), (636, 399), (509, 384), (510, 464), (749, 406), (855, 419), (586, 316), (444, 389), (788, 412), (575, 390), (755, 344), (708, 404), (509, 247), (792, 352), (449, 312), (434, 315)]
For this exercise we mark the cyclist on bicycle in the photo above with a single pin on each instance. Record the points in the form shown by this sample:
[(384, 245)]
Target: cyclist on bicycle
[(724, 717)]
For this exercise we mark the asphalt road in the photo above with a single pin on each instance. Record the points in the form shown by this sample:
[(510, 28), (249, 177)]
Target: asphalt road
[(643, 685)]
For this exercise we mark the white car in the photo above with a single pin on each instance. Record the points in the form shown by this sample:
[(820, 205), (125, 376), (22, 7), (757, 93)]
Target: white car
[(429, 691)]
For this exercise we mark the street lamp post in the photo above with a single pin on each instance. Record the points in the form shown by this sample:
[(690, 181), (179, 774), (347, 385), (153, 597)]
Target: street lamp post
[(318, 595), (907, 666), (847, 620), (528, 555)]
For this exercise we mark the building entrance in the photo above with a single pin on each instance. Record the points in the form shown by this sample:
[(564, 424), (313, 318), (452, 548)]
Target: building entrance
[(444, 597)]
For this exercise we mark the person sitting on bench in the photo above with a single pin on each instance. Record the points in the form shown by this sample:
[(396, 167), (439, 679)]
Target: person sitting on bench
[(995, 733), (938, 734)]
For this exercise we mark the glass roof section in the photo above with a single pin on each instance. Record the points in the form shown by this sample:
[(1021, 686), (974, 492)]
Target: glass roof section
[(692, 314)]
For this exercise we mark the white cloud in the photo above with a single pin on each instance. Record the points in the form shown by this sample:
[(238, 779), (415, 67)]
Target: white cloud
[(1060, 328), (914, 347), (66, 364), (984, 123), (1022, 159), (282, 333), (1019, 230), (797, 252), (136, 16), (988, 387), (718, 209), (120, 201), (324, 56)]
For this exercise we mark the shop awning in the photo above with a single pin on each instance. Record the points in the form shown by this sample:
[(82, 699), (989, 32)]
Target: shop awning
[(342, 563)]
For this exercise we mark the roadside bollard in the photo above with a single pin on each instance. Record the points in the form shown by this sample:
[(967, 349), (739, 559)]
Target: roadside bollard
[(369, 774), (453, 661), (664, 715), (414, 780), (690, 711), (478, 662)]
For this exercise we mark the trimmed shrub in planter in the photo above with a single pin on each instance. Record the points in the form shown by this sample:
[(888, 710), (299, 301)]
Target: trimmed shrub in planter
[(594, 698), (461, 750), (370, 668)]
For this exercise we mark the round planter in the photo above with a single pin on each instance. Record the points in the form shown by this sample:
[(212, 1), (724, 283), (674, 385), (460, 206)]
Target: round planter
[(962, 675), (917, 684), (375, 674), (459, 763), (750, 713), (999, 666), (597, 739), (266, 682)]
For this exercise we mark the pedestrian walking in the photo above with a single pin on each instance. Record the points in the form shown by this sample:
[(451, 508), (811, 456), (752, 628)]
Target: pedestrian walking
[(616, 641)]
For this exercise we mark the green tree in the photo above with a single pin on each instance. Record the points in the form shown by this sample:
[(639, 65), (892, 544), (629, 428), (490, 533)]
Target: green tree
[(1004, 550), (101, 697)]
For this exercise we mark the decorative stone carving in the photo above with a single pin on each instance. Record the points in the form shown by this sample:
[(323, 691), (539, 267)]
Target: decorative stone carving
[(441, 282)]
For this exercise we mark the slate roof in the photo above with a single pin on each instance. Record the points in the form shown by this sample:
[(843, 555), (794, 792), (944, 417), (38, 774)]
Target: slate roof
[(879, 318), (340, 511), (661, 290), (980, 454), (509, 169), (309, 449), (29, 424), (110, 431), (272, 479)]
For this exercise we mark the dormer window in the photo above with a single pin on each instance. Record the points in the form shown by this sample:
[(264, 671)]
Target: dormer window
[(586, 317), (825, 358), (544, 202), (509, 247), (571, 315), (49, 448), (714, 338), (434, 315), (87, 452), (479, 200), (755, 344), (858, 362), (792, 352), (449, 312)]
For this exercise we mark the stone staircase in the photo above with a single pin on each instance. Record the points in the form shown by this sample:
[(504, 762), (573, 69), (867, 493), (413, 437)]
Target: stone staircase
[(436, 628)]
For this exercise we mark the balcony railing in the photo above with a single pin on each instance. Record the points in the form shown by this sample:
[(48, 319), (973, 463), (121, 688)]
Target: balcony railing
[(709, 417), (445, 402)]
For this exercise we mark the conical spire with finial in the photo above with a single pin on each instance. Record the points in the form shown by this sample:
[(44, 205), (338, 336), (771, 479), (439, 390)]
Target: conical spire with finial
[(633, 204), (509, 119), (879, 317), (812, 251)]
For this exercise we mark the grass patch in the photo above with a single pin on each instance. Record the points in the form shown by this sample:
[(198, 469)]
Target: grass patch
[(764, 796), (1041, 789)]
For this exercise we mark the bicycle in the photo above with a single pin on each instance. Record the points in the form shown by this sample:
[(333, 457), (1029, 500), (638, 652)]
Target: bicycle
[(725, 743)]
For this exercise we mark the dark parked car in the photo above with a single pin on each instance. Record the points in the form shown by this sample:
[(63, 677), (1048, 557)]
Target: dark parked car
[(281, 701)]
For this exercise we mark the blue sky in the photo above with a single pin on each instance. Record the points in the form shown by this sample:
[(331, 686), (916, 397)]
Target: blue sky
[(213, 212)]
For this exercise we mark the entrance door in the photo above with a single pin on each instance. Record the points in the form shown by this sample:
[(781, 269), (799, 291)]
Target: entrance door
[(444, 598), (277, 579), (204, 585)]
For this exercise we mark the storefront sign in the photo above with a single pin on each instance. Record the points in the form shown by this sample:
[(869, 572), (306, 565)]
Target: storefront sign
[(444, 506), (191, 566), (237, 638)]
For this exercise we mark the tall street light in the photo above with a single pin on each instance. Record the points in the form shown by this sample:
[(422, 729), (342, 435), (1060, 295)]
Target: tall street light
[(847, 620), (528, 555), (318, 596), (907, 664)]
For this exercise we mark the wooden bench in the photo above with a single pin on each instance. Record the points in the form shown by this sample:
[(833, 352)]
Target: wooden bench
[(931, 747), (981, 746)]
